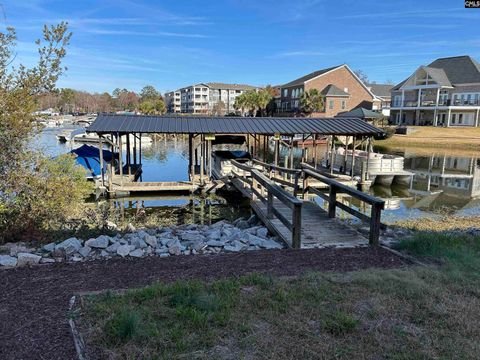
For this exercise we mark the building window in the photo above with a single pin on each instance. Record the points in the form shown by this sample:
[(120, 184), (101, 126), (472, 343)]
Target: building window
[(344, 104), (345, 89), (330, 104), (285, 92)]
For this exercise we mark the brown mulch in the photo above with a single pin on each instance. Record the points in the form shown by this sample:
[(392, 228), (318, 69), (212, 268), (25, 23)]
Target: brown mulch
[(34, 301)]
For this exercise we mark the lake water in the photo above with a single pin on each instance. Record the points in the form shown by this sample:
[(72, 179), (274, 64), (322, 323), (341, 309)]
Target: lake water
[(442, 184)]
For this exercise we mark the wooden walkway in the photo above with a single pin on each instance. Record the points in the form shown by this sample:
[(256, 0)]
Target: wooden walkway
[(303, 223), (317, 229)]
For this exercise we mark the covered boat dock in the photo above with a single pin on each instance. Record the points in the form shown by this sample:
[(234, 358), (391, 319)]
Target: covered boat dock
[(279, 195)]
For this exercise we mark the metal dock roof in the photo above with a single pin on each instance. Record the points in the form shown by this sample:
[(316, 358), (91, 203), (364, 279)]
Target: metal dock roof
[(113, 123)]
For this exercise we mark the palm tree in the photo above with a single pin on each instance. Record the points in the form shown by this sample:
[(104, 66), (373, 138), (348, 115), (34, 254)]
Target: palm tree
[(263, 99), (311, 101)]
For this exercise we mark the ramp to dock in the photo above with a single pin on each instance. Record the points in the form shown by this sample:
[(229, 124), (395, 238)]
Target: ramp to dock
[(302, 223)]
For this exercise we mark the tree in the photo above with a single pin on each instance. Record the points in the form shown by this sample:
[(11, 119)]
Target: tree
[(35, 190), (152, 107), (263, 99), (362, 76), (149, 93), (218, 109), (311, 101), (67, 100)]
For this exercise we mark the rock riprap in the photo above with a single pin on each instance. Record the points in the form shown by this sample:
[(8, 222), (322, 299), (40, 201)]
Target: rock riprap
[(163, 242)]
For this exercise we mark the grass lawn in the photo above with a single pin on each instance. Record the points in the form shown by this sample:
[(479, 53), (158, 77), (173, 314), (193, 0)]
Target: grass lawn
[(411, 313), (461, 138)]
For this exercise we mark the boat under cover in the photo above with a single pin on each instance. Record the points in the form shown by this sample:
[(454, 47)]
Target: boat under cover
[(89, 157)]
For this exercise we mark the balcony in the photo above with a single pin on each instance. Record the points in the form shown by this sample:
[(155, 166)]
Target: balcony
[(431, 103)]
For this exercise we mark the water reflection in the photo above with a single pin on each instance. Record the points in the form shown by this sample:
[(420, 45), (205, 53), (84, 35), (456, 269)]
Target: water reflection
[(442, 184)]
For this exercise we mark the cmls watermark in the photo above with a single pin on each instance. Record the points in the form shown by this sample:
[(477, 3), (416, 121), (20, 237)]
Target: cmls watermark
[(472, 4)]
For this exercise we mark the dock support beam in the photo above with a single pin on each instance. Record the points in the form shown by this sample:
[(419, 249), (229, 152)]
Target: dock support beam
[(352, 170), (120, 157), (100, 145)]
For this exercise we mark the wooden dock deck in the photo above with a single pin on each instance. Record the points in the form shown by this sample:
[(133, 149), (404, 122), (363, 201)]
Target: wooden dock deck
[(317, 229), (303, 223)]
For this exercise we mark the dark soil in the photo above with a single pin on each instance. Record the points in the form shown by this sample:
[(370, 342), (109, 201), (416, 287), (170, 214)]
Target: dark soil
[(34, 301)]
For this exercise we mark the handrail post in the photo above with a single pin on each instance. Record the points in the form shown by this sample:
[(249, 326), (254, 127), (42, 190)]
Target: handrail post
[(297, 226), (295, 188), (270, 205), (375, 224), (332, 203), (305, 185), (254, 186)]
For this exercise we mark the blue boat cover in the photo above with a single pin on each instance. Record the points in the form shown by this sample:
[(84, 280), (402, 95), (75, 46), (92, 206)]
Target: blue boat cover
[(89, 157)]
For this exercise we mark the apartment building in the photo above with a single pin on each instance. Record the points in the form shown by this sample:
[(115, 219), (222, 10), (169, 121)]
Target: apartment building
[(341, 88), (206, 98), (226, 95), (443, 93), (173, 101)]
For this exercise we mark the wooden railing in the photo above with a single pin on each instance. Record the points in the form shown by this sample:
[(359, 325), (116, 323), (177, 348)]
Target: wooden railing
[(266, 190), (285, 176), (335, 188)]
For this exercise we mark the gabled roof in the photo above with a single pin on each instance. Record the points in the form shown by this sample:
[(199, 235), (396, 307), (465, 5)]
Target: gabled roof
[(380, 90), (332, 90), (452, 71), (459, 69), (438, 75), (111, 123), (301, 80)]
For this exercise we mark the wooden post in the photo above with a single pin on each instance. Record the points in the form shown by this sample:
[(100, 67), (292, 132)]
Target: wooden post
[(209, 156), (140, 148), (100, 144), (202, 145), (135, 149), (346, 153), (297, 226), (375, 224), (315, 160), (270, 205), (352, 170), (190, 158), (265, 147), (326, 153), (291, 155), (332, 155), (120, 155), (332, 203), (128, 155), (369, 145)]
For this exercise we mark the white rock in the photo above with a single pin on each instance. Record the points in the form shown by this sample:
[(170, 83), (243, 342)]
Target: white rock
[(174, 250), (165, 255), (27, 259), (46, 260), (76, 259), (136, 253), (234, 247), (49, 247), (151, 240), (85, 251), (123, 250), (104, 253), (70, 245), (218, 224), (139, 243), (213, 234), (262, 232), (7, 260), (216, 243), (113, 248), (162, 250), (100, 243)]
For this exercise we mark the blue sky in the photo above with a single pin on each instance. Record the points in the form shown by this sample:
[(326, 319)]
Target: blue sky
[(170, 44)]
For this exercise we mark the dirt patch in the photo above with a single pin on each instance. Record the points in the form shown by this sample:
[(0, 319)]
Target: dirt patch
[(34, 301)]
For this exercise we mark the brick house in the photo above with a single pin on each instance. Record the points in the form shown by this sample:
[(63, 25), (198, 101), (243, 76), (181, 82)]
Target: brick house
[(341, 88)]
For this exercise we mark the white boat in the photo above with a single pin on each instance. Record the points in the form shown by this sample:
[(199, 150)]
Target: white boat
[(81, 136), (383, 169)]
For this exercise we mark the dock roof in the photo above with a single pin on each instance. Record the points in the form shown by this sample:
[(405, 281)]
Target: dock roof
[(114, 123)]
